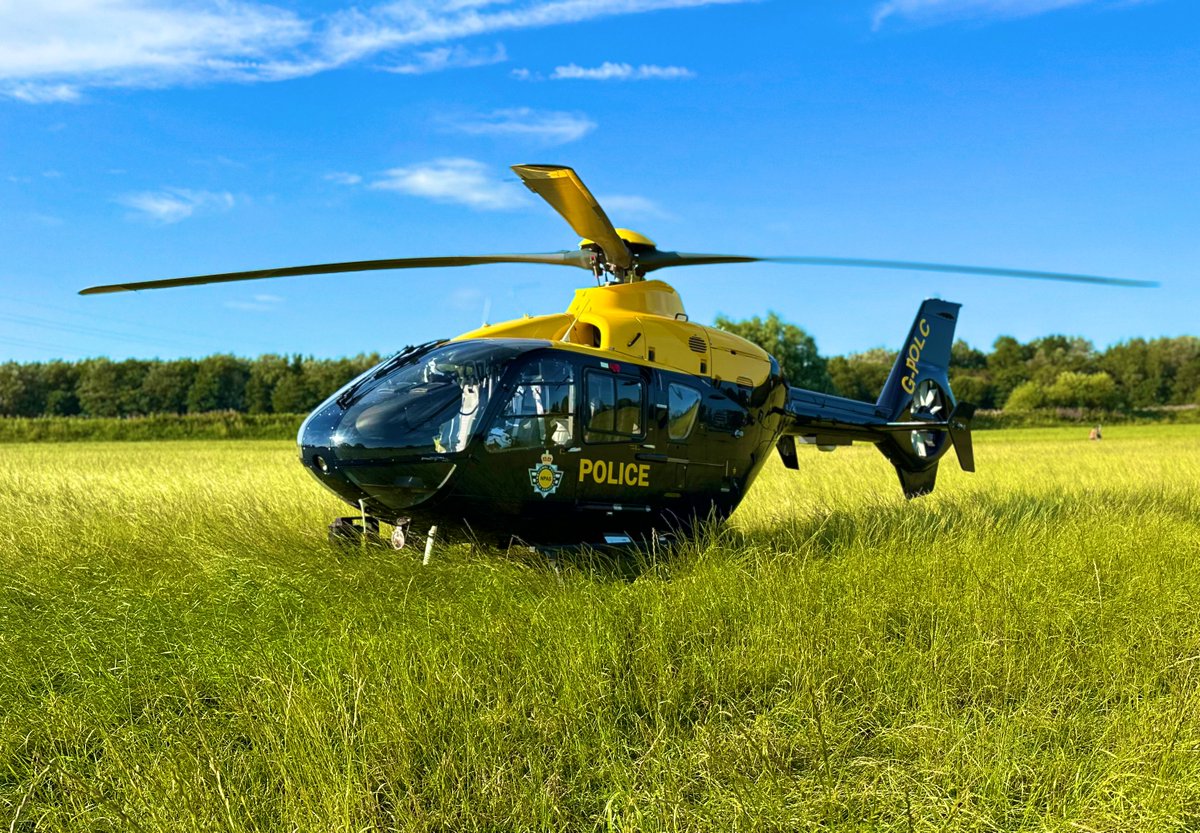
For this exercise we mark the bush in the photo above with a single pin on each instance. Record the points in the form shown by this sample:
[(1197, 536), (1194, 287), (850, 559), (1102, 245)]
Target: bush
[(223, 425), (1027, 396)]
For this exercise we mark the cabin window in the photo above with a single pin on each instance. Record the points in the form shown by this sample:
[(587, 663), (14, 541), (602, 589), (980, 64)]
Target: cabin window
[(683, 406), (614, 408), (723, 415), (539, 411)]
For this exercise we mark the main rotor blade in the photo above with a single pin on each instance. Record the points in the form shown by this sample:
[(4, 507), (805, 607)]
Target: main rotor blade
[(662, 260), (566, 193), (568, 258)]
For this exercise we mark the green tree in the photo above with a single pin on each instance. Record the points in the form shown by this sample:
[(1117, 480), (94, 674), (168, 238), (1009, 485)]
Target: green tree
[(1139, 373), (861, 375), (969, 376), (1007, 366), (295, 392), (1183, 356), (110, 389), (975, 387), (20, 390), (1055, 354), (60, 380), (1026, 397), (795, 349), (965, 357), (330, 374), (220, 385), (1082, 390), (265, 373), (167, 385)]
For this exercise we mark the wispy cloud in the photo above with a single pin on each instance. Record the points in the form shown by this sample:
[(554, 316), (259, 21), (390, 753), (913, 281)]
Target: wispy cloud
[(450, 57), (54, 50), (632, 207), (35, 93), (609, 71), (462, 181), (257, 303), (343, 178), (171, 205), (51, 49), (544, 126), (939, 11), (407, 23)]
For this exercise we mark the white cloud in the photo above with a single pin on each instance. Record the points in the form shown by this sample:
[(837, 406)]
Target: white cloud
[(402, 23), (548, 126), (35, 93), (258, 303), (49, 49), (343, 178), (633, 207), (450, 57), (171, 205), (53, 50), (462, 181), (937, 11), (609, 71)]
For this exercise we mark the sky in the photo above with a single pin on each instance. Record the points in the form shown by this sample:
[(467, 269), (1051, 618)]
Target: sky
[(144, 139)]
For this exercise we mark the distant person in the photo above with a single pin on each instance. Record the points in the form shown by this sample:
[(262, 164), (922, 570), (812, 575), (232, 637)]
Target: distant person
[(1095, 434)]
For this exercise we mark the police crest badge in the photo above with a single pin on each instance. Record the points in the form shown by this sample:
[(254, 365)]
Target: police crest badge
[(545, 476)]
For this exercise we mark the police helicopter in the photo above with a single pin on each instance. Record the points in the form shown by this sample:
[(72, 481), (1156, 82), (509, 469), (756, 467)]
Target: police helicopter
[(614, 421)]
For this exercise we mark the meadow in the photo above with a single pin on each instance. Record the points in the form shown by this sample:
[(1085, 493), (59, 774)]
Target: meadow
[(181, 649)]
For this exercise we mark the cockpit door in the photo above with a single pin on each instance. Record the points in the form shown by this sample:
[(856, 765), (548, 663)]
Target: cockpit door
[(614, 412), (532, 436)]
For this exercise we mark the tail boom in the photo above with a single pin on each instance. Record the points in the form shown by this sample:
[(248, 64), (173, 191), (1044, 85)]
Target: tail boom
[(914, 422)]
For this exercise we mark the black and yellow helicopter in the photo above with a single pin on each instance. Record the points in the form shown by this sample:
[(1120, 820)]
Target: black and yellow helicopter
[(613, 421)]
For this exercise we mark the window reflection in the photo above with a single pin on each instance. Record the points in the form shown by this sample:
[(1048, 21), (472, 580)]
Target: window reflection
[(683, 406), (540, 412), (614, 407), (430, 405)]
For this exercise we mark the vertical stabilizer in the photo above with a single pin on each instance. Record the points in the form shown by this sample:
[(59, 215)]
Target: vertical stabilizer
[(924, 356)]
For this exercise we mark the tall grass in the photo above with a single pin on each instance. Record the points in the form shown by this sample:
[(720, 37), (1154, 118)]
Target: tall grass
[(181, 649)]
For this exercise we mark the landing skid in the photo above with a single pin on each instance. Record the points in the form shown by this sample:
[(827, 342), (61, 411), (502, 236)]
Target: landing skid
[(364, 529), (355, 530), (612, 545)]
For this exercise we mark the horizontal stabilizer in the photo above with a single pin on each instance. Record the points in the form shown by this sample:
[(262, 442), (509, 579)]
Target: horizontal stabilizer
[(960, 434)]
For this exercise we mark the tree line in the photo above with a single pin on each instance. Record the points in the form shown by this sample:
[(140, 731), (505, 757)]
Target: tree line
[(1052, 372), (1055, 371), (104, 388)]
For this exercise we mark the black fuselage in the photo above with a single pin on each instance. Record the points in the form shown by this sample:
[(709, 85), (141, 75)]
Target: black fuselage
[(521, 438)]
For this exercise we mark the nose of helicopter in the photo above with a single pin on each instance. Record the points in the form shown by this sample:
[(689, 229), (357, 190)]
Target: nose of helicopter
[(386, 478)]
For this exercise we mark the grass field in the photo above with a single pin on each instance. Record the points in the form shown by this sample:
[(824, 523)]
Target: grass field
[(181, 650)]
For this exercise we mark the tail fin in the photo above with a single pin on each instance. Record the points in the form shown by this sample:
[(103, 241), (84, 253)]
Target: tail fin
[(924, 356), (918, 391)]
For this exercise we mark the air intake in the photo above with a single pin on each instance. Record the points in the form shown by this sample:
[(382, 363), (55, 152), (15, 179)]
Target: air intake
[(698, 344)]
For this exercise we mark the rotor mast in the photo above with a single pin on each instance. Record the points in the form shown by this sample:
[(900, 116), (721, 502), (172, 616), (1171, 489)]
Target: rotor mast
[(562, 188)]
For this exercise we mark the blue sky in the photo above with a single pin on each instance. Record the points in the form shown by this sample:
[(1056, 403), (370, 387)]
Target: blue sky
[(144, 139)]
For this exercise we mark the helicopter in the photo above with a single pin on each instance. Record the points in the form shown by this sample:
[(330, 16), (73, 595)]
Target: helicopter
[(615, 421)]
